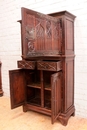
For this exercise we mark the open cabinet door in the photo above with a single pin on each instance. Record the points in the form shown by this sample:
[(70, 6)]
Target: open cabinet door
[(17, 88), (56, 96), (40, 34)]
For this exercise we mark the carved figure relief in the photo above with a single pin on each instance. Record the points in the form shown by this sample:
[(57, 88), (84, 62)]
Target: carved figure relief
[(30, 36), (30, 32)]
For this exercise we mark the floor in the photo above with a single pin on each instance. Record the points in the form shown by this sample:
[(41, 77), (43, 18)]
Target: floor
[(16, 119)]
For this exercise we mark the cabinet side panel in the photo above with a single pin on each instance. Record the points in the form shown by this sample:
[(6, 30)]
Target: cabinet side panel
[(69, 38), (69, 83)]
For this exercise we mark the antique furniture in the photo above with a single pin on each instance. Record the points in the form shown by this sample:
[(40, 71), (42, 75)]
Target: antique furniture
[(45, 81), (1, 92)]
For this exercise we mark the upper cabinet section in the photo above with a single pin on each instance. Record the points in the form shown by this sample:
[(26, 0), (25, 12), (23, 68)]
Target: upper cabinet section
[(47, 35), (41, 34), (67, 31)]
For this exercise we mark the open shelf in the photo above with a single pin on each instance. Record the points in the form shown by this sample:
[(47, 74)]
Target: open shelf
[(47, 104), (35, 85), (47, 99), (38, 85), (35, 101), (34, 96), (47, 87)]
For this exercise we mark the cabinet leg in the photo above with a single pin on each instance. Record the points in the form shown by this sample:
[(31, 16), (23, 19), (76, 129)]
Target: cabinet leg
[(24, 108), (63, 118), (73, 114), (1, 93), (63, 121)]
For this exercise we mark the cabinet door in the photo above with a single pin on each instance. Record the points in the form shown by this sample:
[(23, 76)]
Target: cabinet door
[(40, 34), (56, 95), (17, 87)]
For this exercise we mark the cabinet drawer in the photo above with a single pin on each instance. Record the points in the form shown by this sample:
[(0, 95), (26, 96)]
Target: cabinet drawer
[(49, 65), (26, 64)]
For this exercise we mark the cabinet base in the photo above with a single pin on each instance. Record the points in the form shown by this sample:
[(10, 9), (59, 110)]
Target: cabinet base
[(64, 117), (1, 93)]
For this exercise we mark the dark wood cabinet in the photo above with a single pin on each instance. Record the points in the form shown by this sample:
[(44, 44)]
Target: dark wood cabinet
[(44, 81), (1, 91)]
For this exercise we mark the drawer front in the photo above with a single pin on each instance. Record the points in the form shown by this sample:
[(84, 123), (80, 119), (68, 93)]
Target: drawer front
[(49, 66), (26, 64)]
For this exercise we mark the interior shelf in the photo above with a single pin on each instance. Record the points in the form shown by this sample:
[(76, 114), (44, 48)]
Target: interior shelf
[(47, 104), (35, 101), (35, 85), (47, 87), (38, 85)]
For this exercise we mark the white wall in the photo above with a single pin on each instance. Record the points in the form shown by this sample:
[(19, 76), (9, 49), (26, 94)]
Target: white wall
[(10, 40)]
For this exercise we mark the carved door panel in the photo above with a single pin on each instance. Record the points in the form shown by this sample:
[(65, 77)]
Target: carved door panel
[(40, 34), (56, 95), (17, 88)]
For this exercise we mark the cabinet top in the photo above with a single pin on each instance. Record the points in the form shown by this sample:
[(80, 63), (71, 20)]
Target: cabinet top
[(61, 13)]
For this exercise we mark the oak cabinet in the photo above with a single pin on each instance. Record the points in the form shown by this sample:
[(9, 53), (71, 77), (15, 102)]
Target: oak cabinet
[(44, 81)]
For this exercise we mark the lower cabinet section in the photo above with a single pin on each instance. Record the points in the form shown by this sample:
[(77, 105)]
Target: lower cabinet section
[(44, 91), (38, 88)]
